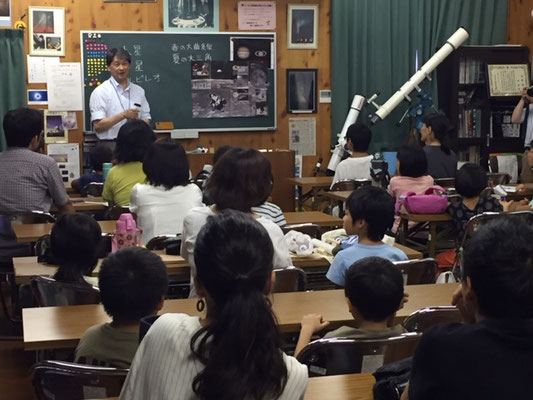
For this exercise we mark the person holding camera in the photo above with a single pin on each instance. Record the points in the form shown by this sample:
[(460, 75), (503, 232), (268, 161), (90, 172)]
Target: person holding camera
[(522, 113)]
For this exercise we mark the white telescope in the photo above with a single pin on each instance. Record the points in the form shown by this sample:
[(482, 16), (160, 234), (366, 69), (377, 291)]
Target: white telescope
[(357, 104), (451, 44)]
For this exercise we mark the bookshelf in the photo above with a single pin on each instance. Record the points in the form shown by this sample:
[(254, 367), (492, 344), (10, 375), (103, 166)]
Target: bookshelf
[(483, 123)]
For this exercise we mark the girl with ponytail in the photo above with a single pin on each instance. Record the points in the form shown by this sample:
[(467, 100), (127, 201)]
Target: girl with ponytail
[(234, 352), (436, 134)]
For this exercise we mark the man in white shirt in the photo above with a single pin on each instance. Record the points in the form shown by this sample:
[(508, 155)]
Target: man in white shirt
[(358, 138), (523, 112), (117, 99)]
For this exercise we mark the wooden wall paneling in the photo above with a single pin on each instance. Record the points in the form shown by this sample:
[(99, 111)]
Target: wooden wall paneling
[(97, 15), (520, 23)]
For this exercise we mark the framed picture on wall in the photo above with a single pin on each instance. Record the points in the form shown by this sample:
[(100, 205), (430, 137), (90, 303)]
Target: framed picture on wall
[(191, 15), (5, 12), (301, 91), (47, 31), (302, 26)]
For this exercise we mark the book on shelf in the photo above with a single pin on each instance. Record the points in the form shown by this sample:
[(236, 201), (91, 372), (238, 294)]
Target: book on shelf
[(471, 155), (471, 71), (469, 124)]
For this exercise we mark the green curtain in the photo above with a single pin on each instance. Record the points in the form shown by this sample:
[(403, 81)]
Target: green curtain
[(373, 46), (12, 74)]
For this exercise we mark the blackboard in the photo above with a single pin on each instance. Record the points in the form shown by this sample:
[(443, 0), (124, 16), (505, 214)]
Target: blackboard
[(162, 63)]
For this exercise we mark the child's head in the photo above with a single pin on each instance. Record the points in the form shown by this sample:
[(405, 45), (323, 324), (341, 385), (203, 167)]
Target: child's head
[(132, 284), (436, 126), (498, 269), (75, 239), (100, 155), (22, 125), (233, 256), (359, 135), (374, 289), (369, 213), (166, 164), (220, 152), (470, 180), (412, 161), (241, 179), (133, 140)]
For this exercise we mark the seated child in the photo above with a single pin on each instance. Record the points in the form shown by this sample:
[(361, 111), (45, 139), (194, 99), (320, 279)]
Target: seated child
[(374, 292), (74, 241), (98, 156), (412, 175), (358, 138), (133, 282), (470, 181), (369, 213)]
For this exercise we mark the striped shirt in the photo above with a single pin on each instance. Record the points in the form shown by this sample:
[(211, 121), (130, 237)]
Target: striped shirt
[(30, 182), (164, 368), (272, 212)]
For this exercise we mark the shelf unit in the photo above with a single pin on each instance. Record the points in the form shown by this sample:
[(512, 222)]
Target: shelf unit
[(463, 95)]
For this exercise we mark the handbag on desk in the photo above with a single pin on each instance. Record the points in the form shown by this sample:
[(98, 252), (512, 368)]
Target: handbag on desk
[(430, 202)]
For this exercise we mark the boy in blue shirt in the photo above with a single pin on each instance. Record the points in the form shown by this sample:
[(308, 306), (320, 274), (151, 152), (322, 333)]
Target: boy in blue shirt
[(369, 213)]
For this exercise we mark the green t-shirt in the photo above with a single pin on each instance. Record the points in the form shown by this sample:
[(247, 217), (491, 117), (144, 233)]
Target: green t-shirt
[(120, 180), (106, 346)]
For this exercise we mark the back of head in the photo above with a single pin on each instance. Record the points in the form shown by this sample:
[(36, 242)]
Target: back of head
[(360, 135), (374, 286), (241, 345), (413, 161), (132, 283), (74, 240), (21, 126), (241, 179), (99, 155), (120, 53), (220, 152), (470, 180), (166, 164), (133, 140), (498, 259), (374, 205), (441, 128)]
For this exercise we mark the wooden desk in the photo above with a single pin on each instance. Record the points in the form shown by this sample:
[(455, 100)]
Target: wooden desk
[(317, 183), (31, 232), (341, 387), (62, 327), (313, 217), (86, 204), (338, 195), (434, 221)]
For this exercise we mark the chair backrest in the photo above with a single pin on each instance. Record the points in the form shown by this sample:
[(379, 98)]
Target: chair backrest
[(495, 167), (49, 292), (498, 178), (92, 189), (290, 279), (425, 318), (350, 184), (145, 323), (338, 356), (312, 230), (418, 272), (59, 380), (445, 182), (32, 217)]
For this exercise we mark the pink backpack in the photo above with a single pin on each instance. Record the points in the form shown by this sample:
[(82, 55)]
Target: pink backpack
[(433, 201), (127, 233)]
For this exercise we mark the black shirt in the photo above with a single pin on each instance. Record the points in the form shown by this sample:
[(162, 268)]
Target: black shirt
[(440, 164), (492, 359), (461, 214)]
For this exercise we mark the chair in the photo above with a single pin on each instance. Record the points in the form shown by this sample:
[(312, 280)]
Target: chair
[(114, 212), (49, 292), (59, 380), (161, 242), (498, 178), (494, 166), (350, 184), (145, 324), (92, 189), (479, 220), (425, 318), (418, 272), (312, 230), (337, 356), (290, 279), (445, 182)]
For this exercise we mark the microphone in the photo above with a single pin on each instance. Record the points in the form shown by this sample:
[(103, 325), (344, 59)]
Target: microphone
[(317, 167)]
